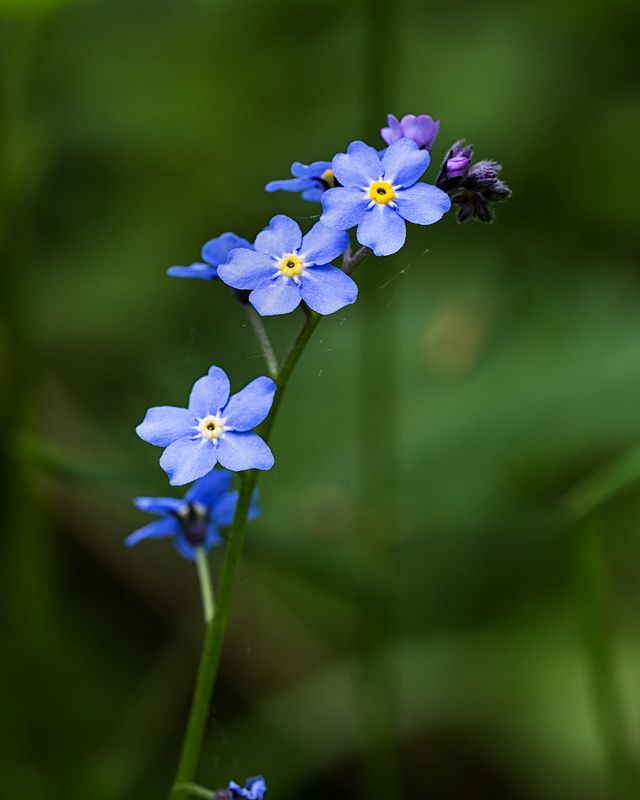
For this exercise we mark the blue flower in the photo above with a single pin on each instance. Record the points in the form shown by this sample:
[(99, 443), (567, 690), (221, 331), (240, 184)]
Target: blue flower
[(212, 430), (312, 180), (284, 268), (254, 789), (194, 520), (380, 192), (214, 252)]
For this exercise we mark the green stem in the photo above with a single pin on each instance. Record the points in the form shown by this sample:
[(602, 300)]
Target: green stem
[(206, 589), (263, 340), (214, 636), (194, 790), (593, 594)]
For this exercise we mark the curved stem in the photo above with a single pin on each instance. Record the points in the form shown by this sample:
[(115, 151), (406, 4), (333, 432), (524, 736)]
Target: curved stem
[(216, 629), (206, 589), (263, 340)]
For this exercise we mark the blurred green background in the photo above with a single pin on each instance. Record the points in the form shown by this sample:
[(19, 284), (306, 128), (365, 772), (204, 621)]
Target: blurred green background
[(411, 608)]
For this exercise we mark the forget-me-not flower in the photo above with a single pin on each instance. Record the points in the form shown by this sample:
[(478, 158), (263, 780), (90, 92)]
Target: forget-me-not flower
[(194, 520), (284, 268), (310, 179), (214, 429), (214, 253), (422, 129), (254, 789), (380, 192)]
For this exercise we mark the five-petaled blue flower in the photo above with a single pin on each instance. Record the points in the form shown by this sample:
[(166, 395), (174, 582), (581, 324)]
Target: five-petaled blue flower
[(380, 192), (312, 180), (194, 520), (213, 429), (214, 253), (284, 268), (254, 789)]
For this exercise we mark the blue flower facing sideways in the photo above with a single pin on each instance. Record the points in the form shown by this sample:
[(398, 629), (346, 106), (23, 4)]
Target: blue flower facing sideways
[(214, 253), (285, 268), (214, 429), (254, 789), (312, 180), (379, 192), (194, 520)]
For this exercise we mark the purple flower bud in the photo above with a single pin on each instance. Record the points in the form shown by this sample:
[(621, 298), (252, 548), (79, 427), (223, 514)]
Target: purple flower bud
[(472, 188), (457, 166), (422, 130)]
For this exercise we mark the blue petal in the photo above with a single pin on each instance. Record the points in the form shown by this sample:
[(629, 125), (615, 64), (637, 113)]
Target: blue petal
[(184, 547), (343, 208), (237, 451), (313, 170), (313, 195), (245, 268), (209, 489), (197, 270), (279, 296), (209, 394), (321, 244), (250, 405), (282, 235), (290, 185), (212, 537), (358, 166), (422, 203), (404, 162), (158, 529), (164, 424), (159, 505), (225, 510), (188, 459), (382, 229), (215, 251), (326, 289)]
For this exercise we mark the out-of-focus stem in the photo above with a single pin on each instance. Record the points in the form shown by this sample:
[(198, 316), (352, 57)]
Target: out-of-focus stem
[(263, 340), (206, 588), (377, 403), (593, 597)]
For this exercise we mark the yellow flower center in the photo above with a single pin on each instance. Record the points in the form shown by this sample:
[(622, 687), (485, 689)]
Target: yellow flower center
[(328, 177), (290, 265), (211, 427), (381, 192)]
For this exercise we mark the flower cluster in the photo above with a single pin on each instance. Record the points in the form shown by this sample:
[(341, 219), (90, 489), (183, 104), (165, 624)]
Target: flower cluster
[(374, 191), (472, 187)]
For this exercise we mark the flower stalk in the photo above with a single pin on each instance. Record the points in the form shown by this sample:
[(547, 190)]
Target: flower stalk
[(217, 624), (206, 588)]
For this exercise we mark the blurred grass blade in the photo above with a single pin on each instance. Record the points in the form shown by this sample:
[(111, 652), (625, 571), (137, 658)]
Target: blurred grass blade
[(599, 487)]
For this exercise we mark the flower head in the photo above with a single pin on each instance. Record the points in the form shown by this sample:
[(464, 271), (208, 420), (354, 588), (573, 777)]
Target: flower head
[(422, 130), (214, 253), (472, 188), (194, 520), (312, 180), (254, 789), (380, 192), (286, 267), (214, 429)]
